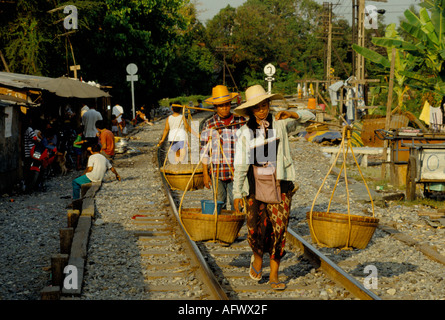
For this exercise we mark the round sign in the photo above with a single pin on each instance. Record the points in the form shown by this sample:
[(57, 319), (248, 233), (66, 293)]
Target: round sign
[(132, 69), (269, 70)]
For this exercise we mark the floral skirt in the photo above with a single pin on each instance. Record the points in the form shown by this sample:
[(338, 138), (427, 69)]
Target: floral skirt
[(267, 225)]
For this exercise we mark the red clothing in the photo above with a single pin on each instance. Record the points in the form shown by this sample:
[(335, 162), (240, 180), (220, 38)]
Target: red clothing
[(107, 142), (228, 120)]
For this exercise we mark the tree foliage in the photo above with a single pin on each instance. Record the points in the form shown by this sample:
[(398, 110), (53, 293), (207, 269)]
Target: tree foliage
[(420, 63), (175, 53), (282, 32)]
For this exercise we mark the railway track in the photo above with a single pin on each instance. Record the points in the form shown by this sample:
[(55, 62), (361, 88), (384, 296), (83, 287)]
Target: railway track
[(159, 239), (224, 268), (164, 264)]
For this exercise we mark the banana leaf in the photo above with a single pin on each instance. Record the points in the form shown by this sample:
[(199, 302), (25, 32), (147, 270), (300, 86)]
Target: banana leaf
[(417, 76), (372, 56), (412, 18), (385, 42), (428, 27), (438, 20), (413, 26)]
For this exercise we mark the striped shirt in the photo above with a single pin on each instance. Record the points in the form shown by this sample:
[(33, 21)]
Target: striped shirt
[(224, 131), (29, 138)]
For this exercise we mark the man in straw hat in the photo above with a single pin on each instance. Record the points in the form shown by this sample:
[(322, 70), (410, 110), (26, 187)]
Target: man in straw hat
[(220, 129), (263, 147)]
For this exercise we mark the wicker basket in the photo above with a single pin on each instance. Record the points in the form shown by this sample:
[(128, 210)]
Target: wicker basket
[(178, 175), (203, 227), (333, 229)]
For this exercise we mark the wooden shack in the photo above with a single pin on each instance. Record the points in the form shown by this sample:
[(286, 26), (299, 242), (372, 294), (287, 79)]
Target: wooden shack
[(10, 170), (21, 95)]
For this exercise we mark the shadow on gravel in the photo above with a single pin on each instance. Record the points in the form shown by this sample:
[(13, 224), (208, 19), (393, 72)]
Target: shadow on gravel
[(385, 269)]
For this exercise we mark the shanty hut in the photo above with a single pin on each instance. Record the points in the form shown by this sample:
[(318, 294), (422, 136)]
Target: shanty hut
[(21, 95)]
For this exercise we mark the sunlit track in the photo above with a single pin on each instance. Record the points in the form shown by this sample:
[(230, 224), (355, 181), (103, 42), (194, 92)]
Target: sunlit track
[(224, 268)]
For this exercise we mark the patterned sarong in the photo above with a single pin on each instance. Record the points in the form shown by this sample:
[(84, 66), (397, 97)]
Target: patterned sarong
[(267, 225)]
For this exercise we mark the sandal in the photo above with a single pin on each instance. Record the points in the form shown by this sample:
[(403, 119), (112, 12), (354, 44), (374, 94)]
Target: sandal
[(278, 286), (258, 273)]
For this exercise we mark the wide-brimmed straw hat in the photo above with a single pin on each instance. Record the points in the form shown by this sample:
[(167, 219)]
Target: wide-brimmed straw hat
[(220, 95), (254, 95)]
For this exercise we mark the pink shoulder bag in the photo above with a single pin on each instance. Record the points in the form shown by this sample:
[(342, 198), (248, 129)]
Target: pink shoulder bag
[(267, 188)]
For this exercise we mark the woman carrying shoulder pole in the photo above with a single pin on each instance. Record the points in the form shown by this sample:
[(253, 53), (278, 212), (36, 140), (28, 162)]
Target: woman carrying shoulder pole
[(263, 162)]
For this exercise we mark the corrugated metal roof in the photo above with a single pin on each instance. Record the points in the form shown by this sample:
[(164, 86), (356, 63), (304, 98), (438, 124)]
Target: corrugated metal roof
[(17, 80), (63, 87)]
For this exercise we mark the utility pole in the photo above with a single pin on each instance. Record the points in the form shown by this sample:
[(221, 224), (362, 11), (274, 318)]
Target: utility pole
[(329, 43), (358, 35), (360, 70), (328, 29), (224, 50)]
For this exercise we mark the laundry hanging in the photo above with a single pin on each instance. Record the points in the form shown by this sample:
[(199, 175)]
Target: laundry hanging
[(436, 118), (334, 91), (350, 107)]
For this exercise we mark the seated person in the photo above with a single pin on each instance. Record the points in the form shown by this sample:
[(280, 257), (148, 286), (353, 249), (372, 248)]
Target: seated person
[(95, 172), (140, 117), (106, 139)]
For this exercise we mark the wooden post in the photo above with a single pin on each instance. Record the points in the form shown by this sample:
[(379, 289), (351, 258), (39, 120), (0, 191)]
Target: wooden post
[(58, 263), (74, 69), (4, 62), (329, 45), (360, 63), (66, 239), (73, 216), (339, 106), (388, 110), (50, 293)]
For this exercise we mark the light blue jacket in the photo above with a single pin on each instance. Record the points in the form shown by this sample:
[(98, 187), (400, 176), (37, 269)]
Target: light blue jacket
[(245, 140)]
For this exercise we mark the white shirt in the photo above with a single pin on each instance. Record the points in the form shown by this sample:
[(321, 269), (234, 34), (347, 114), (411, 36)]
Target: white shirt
[(177, 131), (100, 166), (89, 121), (118, 111)]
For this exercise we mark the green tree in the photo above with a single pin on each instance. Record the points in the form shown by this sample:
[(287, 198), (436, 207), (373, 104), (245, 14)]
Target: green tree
[(141, 32), (193, 64), (111, 34), (24, 36), (269, 31)]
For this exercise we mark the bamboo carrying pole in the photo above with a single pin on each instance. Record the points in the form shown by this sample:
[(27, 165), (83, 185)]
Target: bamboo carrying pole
[(203, 109)]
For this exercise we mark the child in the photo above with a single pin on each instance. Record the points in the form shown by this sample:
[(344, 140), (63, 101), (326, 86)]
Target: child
[(77, 144), (177, 136)]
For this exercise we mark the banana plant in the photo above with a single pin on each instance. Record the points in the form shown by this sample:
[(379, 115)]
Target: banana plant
[(402, 60), (429, 32), (419, 63)]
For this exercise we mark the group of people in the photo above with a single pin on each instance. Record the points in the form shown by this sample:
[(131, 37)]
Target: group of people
[(247, 154), (41, 134), (98, 144)]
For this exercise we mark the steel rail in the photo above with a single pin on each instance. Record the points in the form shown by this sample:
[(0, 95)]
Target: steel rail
[(336, 273), (207, 275), (317, 259)]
